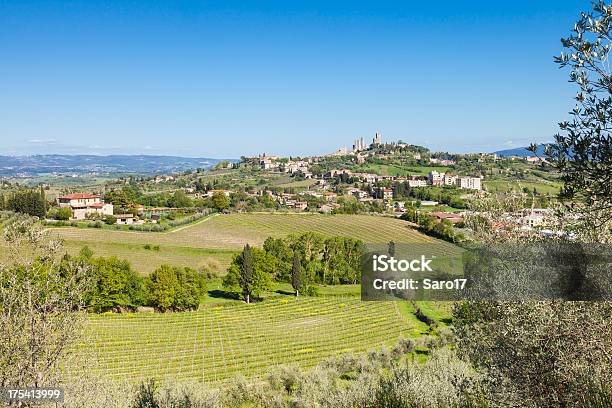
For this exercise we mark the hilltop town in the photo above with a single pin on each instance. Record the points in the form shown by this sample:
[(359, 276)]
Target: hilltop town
[(380, 178)]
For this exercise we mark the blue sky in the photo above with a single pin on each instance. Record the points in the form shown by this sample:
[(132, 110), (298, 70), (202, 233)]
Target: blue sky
[(223, 78)]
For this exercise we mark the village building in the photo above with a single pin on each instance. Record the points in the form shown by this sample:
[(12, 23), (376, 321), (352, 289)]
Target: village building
[(384, 193), (329, 196), (358, 193), (210, 193), (124, 219), (471, 183), (435, 178), (417, 182), (444, 179), (85, 205)]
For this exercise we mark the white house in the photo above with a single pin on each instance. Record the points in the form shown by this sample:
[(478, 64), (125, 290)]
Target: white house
[(125, 219), (83, 205)]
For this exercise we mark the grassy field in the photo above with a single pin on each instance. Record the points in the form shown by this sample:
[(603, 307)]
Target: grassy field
[(220, 236), (218, 342), (543, 187)]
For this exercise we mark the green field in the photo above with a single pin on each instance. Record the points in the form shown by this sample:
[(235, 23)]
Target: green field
[(220, 236), (397, 170), (227, 337), (543, 187), (219, 342)]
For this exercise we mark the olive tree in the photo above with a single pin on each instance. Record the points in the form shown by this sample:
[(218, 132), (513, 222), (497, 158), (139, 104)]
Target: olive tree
[(41, 299), (582, 150)]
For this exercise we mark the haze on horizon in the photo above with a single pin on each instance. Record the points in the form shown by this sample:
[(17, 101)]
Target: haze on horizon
[(223, 79)]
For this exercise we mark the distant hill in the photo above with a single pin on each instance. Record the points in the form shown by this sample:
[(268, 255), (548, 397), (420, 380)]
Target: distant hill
[(36, 165), (520, 151)]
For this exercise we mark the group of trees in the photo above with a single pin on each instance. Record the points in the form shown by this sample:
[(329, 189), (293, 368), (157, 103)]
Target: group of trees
[(351, 205), (25, 201), (128, 198), (431, 226), (301, 260), (445, 195), (116, 286)]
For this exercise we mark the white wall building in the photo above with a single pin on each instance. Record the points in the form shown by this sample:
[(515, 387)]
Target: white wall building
[(83, 205)]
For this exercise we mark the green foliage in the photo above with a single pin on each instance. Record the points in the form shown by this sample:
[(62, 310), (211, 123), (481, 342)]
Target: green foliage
[(334, 260), (175, 288), (26, 201), (223, 164), (86, 253), (582, 151), (220, 201), (341, 260), (445, 195), (298, 278), (110, 220), (279, 249), (119, 198), (540, 353), (180, 200), (430, 226), (117, 286), (349, 205), (60, 213), (250, 272)]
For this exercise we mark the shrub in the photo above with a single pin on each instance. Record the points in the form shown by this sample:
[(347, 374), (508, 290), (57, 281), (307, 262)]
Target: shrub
[(210, 267), (312, 290), (110, 220)]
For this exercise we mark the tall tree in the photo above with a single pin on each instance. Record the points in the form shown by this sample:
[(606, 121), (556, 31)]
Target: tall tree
[(298, 279), (250, 272), (247, 272)]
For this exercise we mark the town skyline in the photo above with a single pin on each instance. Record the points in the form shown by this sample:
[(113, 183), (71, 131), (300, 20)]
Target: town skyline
[(358, 144)]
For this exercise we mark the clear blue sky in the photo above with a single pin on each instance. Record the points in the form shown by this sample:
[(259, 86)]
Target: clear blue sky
[(223, 78)]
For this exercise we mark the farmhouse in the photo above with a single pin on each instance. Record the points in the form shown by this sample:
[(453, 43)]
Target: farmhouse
[(125, 219), (84, 205)]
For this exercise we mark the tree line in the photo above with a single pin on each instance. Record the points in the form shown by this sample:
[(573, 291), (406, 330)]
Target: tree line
[(25, 201), (302, 260), (117, 287)]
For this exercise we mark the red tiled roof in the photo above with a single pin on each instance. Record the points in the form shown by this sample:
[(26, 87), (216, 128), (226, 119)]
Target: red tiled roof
[(445, 215), (96, 205), (79, 196)]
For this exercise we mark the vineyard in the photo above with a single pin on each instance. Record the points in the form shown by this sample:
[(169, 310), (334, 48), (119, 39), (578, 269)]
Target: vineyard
[(220, 236), (217, 343)]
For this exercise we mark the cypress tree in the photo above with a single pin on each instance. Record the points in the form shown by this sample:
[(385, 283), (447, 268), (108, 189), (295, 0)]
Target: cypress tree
[(247, 266), (297, 275)]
